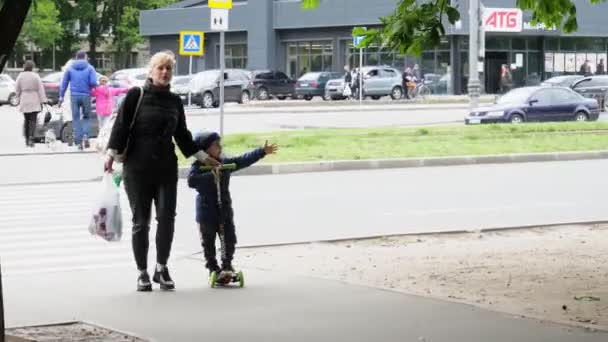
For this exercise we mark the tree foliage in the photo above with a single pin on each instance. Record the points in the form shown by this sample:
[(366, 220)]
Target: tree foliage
[(42, 26), (415, 24)]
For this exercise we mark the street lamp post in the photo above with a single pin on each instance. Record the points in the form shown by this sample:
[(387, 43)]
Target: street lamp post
[(474, 86)]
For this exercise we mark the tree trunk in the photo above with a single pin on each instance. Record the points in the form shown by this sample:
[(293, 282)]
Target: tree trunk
[(93, 37), (12, 16)]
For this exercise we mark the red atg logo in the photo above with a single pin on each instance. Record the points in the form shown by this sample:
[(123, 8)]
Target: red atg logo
[(502, 20)]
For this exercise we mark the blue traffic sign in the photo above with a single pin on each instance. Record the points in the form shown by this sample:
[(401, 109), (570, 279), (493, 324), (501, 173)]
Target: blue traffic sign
[(357, 40), (191, 43)]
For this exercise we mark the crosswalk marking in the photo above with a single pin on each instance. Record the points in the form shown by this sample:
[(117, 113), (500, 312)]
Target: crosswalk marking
[(44, 228)]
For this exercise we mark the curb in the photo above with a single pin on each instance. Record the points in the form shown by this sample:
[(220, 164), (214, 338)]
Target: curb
[(320, 109), (428, 233), (354, 165)]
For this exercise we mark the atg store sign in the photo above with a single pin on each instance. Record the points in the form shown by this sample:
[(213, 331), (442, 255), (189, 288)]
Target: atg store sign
[(502, 20)]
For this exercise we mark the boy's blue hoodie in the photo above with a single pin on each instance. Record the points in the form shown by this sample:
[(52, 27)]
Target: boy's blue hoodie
[(207, 210), (81, 77)]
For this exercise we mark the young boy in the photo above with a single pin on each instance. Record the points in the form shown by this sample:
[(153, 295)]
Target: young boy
[(207, 208)]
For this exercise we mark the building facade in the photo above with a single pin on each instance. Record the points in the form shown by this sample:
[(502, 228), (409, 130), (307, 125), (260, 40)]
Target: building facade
[(278, 34)]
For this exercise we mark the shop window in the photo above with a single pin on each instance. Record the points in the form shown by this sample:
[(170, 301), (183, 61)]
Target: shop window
[(567, 44), (519, 43), (534, 43), (305, 57), (497, 43), (590, 44), (236, 56), (428, 63), (551, 44), (443, 62)]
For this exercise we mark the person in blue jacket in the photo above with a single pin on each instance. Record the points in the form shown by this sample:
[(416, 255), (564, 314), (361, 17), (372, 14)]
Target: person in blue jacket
[(207, 207), (82, 78)]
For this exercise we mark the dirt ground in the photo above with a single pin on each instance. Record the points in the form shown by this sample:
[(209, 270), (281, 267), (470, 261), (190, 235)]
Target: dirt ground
[(558, 274), (73, 332)]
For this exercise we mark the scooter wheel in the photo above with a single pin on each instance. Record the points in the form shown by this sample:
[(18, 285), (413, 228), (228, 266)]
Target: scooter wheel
[(213, 279), (241, 279)]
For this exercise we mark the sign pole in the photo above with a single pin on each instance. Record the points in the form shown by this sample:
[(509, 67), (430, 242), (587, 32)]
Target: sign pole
[(190, 90), (222, 67), (360, 76)]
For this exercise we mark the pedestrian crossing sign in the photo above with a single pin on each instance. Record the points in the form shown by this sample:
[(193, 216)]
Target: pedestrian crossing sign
[(191, 43)]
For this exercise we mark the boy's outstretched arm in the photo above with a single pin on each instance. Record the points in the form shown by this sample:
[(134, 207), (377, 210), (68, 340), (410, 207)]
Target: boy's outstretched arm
[(252, 157)]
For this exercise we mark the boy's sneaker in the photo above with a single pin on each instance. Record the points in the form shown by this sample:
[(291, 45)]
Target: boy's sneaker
[(227, 267), (162, 277), (86, 142), (215, 269), (143, 282)]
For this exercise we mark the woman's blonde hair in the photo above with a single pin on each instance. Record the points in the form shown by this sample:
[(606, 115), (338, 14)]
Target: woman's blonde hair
[(161, 58)]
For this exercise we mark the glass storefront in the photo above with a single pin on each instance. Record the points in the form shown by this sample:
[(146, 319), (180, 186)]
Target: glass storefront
[(567, 55), (303, 57)]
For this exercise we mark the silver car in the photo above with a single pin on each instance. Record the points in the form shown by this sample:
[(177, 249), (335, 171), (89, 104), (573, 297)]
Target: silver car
[(334, 89), (381, 81)]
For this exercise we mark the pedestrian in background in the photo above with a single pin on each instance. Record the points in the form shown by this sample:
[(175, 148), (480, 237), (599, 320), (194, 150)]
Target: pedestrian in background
[(31, 95), (104, 99), (149, 120), (506, 79), (81, 77), (601, 68), (348, 79)]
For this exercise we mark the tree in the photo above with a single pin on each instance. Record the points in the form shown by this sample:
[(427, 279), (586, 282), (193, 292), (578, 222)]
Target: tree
[(126, 26), (42, 27), (415, 23), (12, 16)]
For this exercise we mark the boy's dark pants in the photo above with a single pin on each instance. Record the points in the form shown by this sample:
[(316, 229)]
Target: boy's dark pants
[(208, 233)]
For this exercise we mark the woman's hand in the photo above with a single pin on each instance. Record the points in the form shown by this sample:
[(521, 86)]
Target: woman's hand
[(107, 166), (212, 161)]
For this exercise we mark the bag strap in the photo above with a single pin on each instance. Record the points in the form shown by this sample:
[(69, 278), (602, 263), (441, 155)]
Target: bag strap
[(141, 96)]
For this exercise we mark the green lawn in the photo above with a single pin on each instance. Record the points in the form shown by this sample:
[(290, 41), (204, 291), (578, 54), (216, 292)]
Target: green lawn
[(341, 144)]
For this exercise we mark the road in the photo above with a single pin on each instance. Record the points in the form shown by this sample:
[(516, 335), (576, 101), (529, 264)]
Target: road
[(43, 228)]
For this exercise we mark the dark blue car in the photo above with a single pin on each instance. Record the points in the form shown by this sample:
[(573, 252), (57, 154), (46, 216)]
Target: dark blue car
[(537, 104)]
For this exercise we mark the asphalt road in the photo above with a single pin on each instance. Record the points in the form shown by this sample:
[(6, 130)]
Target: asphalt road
[(275, 209)]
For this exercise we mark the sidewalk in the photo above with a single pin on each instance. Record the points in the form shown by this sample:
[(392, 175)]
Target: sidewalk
[(273, 307)]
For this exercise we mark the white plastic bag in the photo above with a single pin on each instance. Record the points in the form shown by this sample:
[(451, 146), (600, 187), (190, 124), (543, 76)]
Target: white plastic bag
[(347, 91), (106, 220)]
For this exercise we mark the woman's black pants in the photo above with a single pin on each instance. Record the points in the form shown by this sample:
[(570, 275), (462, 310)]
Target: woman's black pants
[(29, 126), (142, 190)]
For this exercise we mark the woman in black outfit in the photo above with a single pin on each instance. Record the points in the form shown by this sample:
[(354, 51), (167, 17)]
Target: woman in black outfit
[(150, 169)]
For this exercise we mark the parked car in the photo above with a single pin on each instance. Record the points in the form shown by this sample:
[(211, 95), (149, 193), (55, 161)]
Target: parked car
[(334, 89), (382, 81), (270, 83), (52, 85), (127, 78), (7, 91), (595, 87), (180, 86), (60, 123), (537, 104), (561, 81), (313, 84), (206, 91)]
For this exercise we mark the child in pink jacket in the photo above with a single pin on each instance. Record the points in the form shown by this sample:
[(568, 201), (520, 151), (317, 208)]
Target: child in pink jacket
[(104, 98)]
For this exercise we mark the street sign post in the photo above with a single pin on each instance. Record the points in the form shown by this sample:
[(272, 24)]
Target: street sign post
[(219, 22), (221, 4), (356, 41), (191, 43)]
